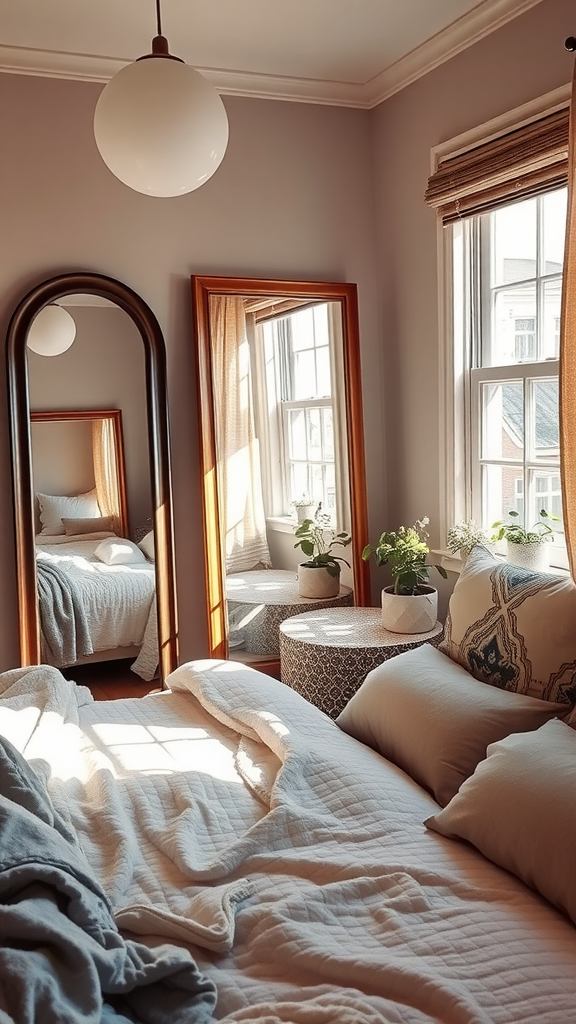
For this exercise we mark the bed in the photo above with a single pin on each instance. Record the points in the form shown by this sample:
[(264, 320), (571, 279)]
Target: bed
[(409, 863), (91, 606)]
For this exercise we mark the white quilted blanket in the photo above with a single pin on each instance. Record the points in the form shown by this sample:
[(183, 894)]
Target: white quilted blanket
[(117, 599), (293, 859)]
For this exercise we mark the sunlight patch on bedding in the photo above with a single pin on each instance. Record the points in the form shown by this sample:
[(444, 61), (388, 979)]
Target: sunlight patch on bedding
[(19, 726), (166, 751)]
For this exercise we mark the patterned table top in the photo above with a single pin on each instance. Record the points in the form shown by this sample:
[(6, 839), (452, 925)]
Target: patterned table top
[(270, 587), (349, 628)]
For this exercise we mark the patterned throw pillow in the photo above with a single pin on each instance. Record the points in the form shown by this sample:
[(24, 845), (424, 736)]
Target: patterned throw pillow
[(514, 628)]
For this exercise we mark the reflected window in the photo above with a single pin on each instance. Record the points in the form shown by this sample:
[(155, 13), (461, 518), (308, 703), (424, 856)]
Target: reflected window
[(297, 351)]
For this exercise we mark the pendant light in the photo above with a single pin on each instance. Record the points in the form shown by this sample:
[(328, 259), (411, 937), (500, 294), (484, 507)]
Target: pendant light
[(159, 125), (52, 331)]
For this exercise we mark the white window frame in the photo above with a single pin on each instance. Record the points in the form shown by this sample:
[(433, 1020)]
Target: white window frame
[(456, 417)]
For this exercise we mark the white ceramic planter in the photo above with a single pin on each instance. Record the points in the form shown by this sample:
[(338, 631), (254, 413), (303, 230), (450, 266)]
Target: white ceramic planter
[(533, 556), (304, 512), (409, 614), (317, 583)]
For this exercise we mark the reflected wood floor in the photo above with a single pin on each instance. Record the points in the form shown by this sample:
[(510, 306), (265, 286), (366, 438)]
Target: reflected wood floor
[(111, 680)]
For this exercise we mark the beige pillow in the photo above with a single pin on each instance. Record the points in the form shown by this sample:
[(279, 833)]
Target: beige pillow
[(74, 527), (514, 628), (519, 810), (147, 546), (52, 507), (434, 720)]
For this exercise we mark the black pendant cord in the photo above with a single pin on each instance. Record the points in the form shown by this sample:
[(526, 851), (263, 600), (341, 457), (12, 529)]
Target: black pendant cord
[(158, 19)]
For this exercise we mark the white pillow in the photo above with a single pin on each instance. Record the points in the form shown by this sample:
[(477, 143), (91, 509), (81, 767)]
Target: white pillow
[(435, 720), (147, 546), (54, 507), (519, 810), (119, 551)]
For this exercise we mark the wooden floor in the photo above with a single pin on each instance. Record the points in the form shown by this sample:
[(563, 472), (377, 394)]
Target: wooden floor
[(111, 680)]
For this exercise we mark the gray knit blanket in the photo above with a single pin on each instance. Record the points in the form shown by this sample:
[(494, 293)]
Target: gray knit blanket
[(62, 958), (64, 631)]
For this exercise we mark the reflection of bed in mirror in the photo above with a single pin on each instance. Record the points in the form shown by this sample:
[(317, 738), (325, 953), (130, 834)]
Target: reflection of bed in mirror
[(96, 585)]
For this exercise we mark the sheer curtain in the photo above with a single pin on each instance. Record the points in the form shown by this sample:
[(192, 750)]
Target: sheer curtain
[(239, 478), (106, 469), (568, 352)]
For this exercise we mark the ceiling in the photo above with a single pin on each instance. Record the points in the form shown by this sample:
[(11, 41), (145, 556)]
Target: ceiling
[(352, 53)]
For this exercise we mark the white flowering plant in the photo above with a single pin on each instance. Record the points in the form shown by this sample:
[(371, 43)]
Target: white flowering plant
[(464, 535)]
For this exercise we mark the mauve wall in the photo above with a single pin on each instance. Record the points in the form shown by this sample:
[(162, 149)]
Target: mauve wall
[(293, 198), (521, 61)]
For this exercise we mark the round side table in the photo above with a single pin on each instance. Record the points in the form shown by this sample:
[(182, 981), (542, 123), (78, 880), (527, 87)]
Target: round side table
[(259, 600), (326, 655)]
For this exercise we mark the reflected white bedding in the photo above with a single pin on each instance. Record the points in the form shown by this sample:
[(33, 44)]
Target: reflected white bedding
[(231, 815), (117, 598)]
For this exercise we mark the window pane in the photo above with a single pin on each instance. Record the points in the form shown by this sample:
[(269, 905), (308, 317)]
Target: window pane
[(298, 484), (304, 375), (546, 442), (324, 385), (321, 324), (502, 420), (514, 337), (554, 228), (514, 232), (551, 318), (328, 432), (314, 435), (502, 492), (302, 329), (297, 438)]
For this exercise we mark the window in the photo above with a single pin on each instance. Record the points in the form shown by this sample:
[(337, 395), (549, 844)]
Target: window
[(296, 352), (500, 193), (508, 267)]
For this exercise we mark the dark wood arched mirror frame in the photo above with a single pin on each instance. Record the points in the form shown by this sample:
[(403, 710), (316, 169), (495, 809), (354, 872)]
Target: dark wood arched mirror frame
[(345, 294), (121, 295)]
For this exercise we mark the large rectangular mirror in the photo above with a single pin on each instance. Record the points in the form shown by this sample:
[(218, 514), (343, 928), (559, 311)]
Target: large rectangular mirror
[(281, 425)]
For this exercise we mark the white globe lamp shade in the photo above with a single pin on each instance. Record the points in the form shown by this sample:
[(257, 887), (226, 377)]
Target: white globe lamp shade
[(52, 331), (160, 127)]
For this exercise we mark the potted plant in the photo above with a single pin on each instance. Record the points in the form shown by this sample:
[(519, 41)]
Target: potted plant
[(526, 547), (319, 575), (464, 535), (410, 605), (304, 507)]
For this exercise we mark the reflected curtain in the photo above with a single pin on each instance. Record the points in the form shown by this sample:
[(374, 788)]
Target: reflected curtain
[(106, 469), (239, 478), (568, 352)]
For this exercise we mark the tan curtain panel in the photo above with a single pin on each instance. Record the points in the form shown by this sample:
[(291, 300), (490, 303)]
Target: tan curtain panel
[(520, 164), (568, 355), (106, 470)]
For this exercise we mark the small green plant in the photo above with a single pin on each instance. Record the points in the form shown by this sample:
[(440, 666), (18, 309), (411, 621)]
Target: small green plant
[(317, 539), (405, 550), (510, 529)]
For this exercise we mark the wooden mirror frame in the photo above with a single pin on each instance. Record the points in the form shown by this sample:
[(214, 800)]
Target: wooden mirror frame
[(158, 443), (83, 415), (346, 294)]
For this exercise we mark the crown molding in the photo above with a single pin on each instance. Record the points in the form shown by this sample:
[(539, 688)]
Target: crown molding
[(487, 17)]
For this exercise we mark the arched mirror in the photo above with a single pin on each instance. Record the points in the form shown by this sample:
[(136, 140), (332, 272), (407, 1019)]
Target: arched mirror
[(86, 367), (281, 427)]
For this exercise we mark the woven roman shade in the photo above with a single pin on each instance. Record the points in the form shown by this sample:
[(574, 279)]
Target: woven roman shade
[(522, 163)]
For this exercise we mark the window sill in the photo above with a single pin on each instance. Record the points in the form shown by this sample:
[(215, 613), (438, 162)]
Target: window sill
[(453, 563), (281, 524)]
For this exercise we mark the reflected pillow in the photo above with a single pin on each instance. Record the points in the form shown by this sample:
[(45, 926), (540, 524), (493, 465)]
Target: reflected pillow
[(519, 810), (119, 551), (74, 527), (147, 546), (434, 720), (514, 628), (53, 507)]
